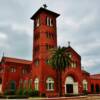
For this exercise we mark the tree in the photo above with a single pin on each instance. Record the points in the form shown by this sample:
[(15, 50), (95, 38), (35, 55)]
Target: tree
[(59, 60)]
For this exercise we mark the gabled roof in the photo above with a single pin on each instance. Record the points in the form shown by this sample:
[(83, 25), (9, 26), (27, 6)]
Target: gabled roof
[(85, 72), (16, 60), (95, 76), (45, 10), (69, 48)]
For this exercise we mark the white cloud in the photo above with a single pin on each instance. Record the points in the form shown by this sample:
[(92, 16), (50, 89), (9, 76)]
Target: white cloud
[(22, 29), (3, 36)]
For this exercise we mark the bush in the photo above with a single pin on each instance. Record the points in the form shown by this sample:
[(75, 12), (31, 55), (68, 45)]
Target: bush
[(25, 92), (30, 92), (19, 91), (9, 92)]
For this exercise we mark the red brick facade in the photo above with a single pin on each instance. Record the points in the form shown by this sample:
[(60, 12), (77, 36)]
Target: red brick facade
[(38, 73)]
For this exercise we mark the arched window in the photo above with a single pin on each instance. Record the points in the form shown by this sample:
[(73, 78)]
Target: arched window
[(12, 85), (73, 64), (37, 22), (12, 69), (50, 84), (69, 80), (36, 84), (49, 21), (25, 83), (36, 62), (85, 85), (21, 83)]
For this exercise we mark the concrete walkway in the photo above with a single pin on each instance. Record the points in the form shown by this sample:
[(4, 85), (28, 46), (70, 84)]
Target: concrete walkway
[(88, 97)]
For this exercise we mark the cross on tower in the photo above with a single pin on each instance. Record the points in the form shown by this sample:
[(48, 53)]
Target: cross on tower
[(45, 6), (68, 43), (3, 54)]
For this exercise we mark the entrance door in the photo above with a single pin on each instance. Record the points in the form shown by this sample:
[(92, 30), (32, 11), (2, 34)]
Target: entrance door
[(97, 88), (69, 88)]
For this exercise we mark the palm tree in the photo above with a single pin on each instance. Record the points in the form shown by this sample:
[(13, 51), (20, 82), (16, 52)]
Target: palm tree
[(59, 60)]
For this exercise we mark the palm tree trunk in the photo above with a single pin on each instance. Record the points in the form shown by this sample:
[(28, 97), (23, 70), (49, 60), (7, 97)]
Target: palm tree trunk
[(60, 81), (57, 80), (60, 76)]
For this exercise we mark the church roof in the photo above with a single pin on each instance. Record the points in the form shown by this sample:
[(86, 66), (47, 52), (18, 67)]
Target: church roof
[(69, 48), (45, 10), (85, 72), (95, 76), (16, 60)]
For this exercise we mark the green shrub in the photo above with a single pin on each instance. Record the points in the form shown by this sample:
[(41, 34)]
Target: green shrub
[(25, 92), (19, 91), (30, 92), (9, 92)]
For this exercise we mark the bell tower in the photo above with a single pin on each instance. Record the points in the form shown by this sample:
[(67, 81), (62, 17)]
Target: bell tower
[(45, 33), (44, 38)]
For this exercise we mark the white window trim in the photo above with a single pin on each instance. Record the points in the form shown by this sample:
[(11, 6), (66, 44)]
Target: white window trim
[(85, 85), (51, 22), (36, 84), (48, 82), (13, 69), (37, 22), (47, 21)]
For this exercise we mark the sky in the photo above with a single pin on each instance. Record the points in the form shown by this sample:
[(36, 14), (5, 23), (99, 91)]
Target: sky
[(79, 23)]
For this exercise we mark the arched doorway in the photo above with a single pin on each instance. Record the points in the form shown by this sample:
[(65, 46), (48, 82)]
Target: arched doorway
[(71, 87), (92, 88), (97, 88), (85, 85)]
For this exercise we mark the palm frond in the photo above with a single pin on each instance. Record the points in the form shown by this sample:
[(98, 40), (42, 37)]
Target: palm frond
[(59, 58)]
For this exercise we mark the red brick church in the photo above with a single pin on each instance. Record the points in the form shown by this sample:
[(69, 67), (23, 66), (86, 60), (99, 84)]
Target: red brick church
[(38, 73)]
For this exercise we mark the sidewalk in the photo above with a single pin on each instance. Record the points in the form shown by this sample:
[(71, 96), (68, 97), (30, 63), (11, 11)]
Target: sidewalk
[(88, 97)]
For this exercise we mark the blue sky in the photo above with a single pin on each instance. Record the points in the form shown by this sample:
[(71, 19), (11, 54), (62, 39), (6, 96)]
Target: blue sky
[(79, 23)]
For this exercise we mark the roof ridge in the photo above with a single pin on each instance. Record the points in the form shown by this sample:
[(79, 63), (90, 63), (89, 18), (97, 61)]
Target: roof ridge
[(17, 58)]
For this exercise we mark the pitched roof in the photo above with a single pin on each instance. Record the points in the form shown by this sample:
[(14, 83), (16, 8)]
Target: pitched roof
[(70, 48), (95, 76), (16, 60), (46, 10), (84, 71)]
